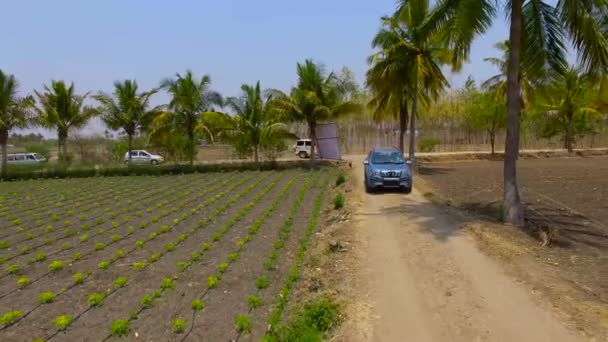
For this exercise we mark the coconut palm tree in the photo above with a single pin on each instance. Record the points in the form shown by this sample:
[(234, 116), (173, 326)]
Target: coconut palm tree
[(62, 109), (566, 105), (254, 122), (416, 56), (498, 82), (190, 99), (15, 112), (126, 109), (539, 32), (388, 78), (318, 96)]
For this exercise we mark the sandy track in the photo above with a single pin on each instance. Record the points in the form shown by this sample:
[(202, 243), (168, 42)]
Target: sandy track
[(428, 282)]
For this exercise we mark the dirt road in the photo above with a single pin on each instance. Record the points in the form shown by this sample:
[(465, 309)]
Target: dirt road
[(429, 282)]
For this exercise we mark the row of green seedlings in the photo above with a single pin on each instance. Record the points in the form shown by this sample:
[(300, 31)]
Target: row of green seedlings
[(95, 299), (120, 253), (152, 192), (294, 273), (222, 268), (57, 202), (44, 198), (40, 232), (69, 232), (243, 322), (181, 266), (39, 257), (134, 189), (121, 326)]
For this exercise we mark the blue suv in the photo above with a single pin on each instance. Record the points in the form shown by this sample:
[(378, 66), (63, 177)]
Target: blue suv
[(385, 168)]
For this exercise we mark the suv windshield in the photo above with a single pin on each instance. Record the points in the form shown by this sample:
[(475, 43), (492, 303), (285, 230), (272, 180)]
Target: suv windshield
[(387, 157)]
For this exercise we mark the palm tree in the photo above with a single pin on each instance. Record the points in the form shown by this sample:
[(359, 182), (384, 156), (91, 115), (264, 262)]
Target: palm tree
[(61, 109), (416, 55), (255, 121), (190, 99), (498, 82), (126, 109), (538, 35), (389, 81), (14, 113), (566, 105), (318, 96)]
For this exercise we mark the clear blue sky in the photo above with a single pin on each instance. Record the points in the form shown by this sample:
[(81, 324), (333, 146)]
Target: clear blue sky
[(94, 43)]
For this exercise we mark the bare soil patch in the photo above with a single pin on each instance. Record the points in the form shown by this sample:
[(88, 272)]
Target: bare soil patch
[(565, 197)]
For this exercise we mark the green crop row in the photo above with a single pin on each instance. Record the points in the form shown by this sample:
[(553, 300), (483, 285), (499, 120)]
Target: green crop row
[(243, 323), (294, 273), (148, 300)]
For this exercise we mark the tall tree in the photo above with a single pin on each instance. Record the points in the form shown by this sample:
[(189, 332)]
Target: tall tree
[(126, 109), (418, 54), (60, 108), (254, 122), (190, 99), (388, 78), (538, 35), (486, 112), (566, 106), (317, 97), (15, 112)]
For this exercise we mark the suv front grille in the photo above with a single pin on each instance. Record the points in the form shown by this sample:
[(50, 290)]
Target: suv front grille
[(393, 174)]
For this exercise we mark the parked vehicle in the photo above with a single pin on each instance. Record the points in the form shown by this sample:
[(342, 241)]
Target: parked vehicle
[(302, 148), (25, 158), (143, 157), (385, 168)]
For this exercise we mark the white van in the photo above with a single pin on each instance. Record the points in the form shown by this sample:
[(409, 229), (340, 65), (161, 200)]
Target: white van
[(25, 158), (302, 148)]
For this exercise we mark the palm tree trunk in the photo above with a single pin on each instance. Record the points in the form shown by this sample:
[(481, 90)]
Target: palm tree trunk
[(191, 145), (130, 146), (4, 142), (313, 140), (255, 153), (492, 134), (403, 116), (513, 209), (569, 139), (62, 136), (412, 153)]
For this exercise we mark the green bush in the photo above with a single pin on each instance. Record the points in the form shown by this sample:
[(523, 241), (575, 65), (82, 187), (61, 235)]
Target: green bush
[(56, 171), (179, 325), (339, 201), (62, 322), (243, 323), (428, 144), (120, 328), (310, 321), (341, 179)]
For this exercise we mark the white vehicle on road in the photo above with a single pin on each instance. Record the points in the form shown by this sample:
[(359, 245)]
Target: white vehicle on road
[(302, 148), (24, 158), (143, 157)]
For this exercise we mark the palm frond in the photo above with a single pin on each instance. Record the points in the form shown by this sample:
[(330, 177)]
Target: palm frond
[(582, 20)]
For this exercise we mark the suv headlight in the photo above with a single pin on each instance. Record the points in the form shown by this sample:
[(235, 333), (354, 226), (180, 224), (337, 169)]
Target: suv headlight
[(376, 173)]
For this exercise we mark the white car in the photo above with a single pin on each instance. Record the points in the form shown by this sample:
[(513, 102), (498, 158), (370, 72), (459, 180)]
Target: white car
[(302, 148), (143, 157), (25, 158)]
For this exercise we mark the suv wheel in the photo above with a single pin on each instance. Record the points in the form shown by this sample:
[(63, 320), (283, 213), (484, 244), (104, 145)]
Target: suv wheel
[(302, 154), (154, 162)]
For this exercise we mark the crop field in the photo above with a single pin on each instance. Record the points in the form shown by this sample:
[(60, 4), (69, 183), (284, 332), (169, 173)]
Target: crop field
[(199, 257), (570, 194)]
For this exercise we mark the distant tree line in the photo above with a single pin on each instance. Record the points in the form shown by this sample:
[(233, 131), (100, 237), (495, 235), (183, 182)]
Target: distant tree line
[(256, 123)]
